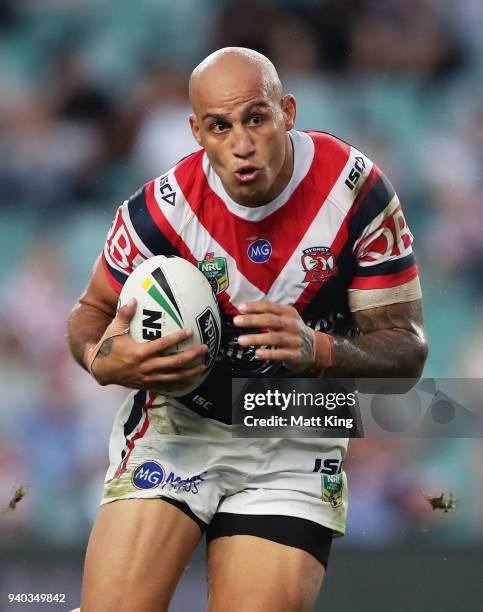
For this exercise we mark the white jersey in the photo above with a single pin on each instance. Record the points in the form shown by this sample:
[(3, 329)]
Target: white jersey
[(334, 241)]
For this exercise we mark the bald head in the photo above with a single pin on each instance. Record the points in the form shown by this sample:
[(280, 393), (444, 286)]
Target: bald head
[(242, 122), (222, 73)]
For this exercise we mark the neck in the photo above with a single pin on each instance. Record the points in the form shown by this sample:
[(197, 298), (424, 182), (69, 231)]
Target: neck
[(285, 173)]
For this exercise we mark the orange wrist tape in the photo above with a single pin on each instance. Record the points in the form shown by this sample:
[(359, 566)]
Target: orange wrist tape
[(115, 328)]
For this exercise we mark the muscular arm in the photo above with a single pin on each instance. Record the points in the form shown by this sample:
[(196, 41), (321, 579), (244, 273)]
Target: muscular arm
[(120, 360), (91, 315), (392, 344)]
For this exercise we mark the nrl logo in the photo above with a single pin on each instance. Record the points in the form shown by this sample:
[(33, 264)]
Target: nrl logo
[(215, 271), (319, 264), (332, 487)]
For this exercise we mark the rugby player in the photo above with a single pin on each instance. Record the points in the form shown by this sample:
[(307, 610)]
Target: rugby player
[(314, 273)]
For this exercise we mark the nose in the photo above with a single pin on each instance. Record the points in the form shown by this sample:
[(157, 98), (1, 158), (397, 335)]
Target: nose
[(243, 145)]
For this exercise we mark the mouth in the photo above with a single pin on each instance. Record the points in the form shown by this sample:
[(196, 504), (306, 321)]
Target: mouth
[(246, 174)]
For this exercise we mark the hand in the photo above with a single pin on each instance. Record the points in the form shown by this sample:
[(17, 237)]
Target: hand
[(122, 361), (290, 339)]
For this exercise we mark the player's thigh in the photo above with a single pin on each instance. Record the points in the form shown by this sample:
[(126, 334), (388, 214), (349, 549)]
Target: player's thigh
[(137, 551), (251, 574)]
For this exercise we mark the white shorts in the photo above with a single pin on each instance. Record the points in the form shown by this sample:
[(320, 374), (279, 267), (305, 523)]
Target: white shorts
[(159, 449)]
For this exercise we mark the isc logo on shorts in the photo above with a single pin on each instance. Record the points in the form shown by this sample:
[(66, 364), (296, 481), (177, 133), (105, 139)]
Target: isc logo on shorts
[(148, 475)]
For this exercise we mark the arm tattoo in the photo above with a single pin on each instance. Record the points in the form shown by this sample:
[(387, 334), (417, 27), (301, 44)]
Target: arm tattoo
[(406, 316), (105, 349), (307, 346), (392, 344)]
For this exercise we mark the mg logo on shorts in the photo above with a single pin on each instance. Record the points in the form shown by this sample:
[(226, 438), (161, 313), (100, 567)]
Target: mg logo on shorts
[(260, 251), (148, 475)]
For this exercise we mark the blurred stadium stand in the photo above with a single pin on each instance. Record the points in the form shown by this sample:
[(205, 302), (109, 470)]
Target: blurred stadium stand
[(93, 102)]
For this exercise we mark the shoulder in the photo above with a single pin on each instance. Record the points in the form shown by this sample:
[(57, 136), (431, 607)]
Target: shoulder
[(179, 177), (327, 143), (164, 196), (358, 180), (180, 185), (357, 192), (339, 172), (329, 151)]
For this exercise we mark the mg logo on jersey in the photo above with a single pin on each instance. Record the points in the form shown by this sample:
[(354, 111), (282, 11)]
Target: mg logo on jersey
[(148, 475), (259, 251), (319, 264)]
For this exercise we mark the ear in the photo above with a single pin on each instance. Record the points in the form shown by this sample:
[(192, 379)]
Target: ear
[(289, 109), (195, 129)]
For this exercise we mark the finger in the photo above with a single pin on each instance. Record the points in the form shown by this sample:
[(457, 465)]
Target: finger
[(173, 377), (276, 354), (261, 306), (278, 339), (180, 361), (155, 347), (266, 321), (126, 312)]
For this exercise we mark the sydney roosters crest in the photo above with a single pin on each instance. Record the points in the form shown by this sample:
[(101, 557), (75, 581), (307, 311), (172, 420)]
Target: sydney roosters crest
[(319, 264)]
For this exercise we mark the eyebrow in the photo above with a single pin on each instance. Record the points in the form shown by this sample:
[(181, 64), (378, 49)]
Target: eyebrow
[(246, 111)]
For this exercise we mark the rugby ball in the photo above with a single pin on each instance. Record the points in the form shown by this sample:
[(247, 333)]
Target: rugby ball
[(172, 294)]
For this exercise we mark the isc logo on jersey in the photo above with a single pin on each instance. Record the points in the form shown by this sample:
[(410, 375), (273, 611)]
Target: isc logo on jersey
[(356, 172), (148, 475)]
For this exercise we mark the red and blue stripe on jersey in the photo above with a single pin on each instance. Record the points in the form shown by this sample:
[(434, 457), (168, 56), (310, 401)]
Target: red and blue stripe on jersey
[(149, 229)]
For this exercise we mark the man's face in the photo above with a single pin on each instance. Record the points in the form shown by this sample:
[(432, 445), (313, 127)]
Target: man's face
[(244, 133)]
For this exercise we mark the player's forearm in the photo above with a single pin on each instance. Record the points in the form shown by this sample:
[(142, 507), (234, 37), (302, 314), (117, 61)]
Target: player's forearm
[(86, 325), (380, 354), (392, 344)]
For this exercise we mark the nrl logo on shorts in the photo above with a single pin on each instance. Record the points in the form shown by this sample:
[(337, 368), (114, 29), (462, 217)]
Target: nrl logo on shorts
[(215, 271), (332, 487), (319, 264)]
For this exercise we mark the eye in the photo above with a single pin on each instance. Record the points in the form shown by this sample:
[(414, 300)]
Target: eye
[(255, 120), (218, 127)]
